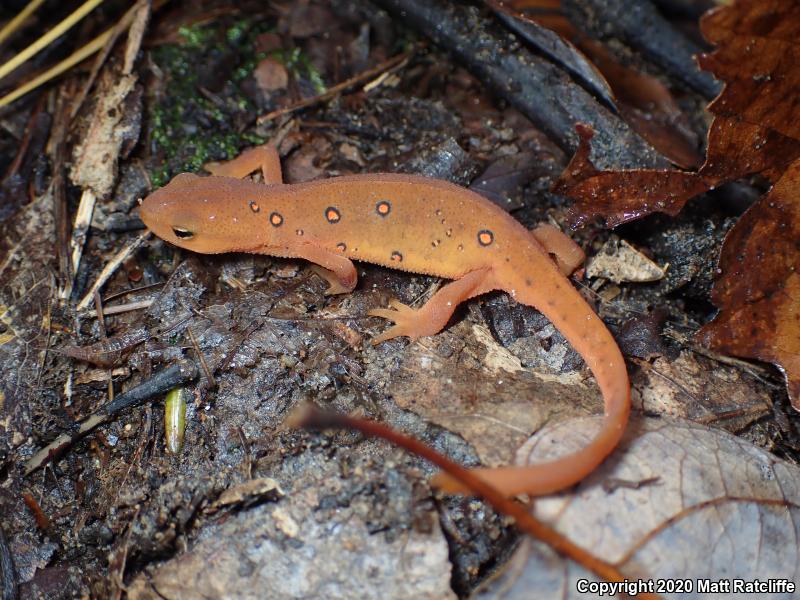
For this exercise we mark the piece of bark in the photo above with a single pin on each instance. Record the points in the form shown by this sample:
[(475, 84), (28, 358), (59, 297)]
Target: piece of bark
[(639, 24), (534, 86)]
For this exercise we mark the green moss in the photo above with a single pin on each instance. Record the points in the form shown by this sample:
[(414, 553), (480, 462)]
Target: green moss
[(196, 37), (300, 65), (188, 128), (238, 31)]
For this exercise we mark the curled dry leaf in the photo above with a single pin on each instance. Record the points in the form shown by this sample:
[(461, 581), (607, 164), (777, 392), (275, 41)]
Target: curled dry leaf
[(690, 388), (503, 179), (248, 493), (711, 506), (756, 128), (619, 261), (759, 291)]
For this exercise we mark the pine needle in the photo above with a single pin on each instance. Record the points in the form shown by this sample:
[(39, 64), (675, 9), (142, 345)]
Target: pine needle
[(17, 21), (48, 37), (59, 68)]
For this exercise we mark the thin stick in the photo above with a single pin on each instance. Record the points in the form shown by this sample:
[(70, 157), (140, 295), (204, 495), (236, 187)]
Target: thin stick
[(180, 373), (394, 62), (59, 68), (101, 322), (109, 269), (203, 365), (17, 21), (121, 308), (80, 231), (312, 418), (48, 37), (141, 288)]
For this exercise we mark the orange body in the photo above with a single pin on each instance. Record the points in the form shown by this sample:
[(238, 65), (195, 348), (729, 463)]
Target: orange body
[(419, 225)]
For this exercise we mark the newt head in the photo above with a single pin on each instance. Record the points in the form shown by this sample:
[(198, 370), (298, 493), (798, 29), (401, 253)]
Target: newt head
[(203, 214)]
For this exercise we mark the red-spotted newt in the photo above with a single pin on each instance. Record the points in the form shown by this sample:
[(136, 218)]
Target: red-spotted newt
[(414, 224)]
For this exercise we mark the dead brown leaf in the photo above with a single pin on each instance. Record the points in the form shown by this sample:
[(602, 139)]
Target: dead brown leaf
[(756, 128), (271, 75), (642, 101), (712, 506), (690, 388), (759, 290)]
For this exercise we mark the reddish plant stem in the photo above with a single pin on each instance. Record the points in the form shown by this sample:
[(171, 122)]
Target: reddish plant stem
[(312, 418)]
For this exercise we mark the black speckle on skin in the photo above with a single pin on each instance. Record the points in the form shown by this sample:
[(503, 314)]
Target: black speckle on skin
[(254, 206), (276, 219), (341, 246), (383, 208), (485, 237), (396, 256)]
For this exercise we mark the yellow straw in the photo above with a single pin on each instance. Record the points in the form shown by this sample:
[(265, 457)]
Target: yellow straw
[(48, 37), (55, 71), (15, 23)]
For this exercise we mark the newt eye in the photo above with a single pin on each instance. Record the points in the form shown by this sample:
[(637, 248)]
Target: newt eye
[(183, 234)]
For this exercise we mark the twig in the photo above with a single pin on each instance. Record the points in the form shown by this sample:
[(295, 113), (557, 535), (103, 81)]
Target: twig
[(117, 575), (42, 520), (80, 231), (203, 364), (103, 41), (395, 62), (101, 322), (113, 35), (109, 269), (121, 308), (141, 288), (176, 375)]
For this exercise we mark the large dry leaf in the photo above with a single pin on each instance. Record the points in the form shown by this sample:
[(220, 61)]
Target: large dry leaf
[(720, 508), (759, 290), (756, 128)]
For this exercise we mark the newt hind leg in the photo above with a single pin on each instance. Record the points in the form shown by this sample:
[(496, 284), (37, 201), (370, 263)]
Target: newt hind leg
[(436, 312), (566, 253)]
